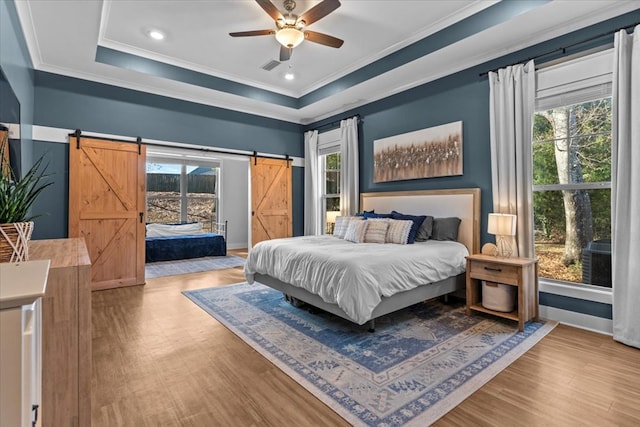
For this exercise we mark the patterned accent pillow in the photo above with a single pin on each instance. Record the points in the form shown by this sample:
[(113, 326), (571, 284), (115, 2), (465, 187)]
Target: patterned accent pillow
[(356, 231), (376, 231), (342, 222), (398, 231), (417, 222)]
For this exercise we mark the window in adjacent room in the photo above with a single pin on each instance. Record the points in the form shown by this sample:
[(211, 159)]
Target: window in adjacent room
[(182, 191), (572, 178)]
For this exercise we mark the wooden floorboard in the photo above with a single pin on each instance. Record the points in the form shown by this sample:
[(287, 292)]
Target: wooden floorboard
[(160, 360)]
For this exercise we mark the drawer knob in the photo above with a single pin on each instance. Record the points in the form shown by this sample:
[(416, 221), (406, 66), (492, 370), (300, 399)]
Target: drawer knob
[(498, 270)]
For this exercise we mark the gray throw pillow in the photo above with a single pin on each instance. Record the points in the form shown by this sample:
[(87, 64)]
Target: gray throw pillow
[(445, 228), (425, 230)]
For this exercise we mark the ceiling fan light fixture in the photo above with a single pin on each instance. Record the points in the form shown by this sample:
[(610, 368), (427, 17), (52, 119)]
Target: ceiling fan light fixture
[(289, 37)]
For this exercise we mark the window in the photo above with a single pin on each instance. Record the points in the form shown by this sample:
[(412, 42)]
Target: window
[(329, 157), (181, 191), (331, 189), (572, 183)]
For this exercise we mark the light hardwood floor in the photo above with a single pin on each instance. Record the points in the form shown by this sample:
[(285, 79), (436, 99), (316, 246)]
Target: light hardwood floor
[(159, 360)]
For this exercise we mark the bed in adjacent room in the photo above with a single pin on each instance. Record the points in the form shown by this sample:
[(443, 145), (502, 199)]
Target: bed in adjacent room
[(175, 241), (361, 281)]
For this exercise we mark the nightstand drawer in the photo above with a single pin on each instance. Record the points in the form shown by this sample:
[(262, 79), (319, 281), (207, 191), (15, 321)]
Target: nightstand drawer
[(494, 272)]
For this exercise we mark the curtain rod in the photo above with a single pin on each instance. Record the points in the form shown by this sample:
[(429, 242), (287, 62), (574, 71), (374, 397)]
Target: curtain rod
[(78, 134), (562, 49), (337, 122)]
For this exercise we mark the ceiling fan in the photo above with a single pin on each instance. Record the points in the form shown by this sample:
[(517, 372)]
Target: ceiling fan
[(291, 29)]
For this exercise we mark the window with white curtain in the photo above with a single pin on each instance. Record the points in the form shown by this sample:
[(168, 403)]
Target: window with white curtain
[(329, 157), (572, 171)]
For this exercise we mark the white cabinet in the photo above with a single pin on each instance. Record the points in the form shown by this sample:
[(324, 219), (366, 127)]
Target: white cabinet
[(21, 287)]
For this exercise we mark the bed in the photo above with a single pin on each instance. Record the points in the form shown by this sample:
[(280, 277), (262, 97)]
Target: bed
[(175, 241), (261, 265)]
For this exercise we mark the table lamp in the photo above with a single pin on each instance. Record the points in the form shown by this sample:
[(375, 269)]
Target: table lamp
[(502, 225)]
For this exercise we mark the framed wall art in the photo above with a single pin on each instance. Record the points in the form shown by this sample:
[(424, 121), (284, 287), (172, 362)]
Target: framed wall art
[(426, 153)]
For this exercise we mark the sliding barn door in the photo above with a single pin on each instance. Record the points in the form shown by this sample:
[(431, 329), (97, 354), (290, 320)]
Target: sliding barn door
[(270, 199), (106, 207)]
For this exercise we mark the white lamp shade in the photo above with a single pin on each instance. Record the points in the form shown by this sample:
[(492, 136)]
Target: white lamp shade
[(332, 215), (289, 37), (502, 224)]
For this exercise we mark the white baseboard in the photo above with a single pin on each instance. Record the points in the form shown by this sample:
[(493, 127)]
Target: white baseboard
[(236, 245), (578, 320)]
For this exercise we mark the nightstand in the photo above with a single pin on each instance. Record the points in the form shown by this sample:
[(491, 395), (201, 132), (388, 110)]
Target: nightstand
[(519, 272)]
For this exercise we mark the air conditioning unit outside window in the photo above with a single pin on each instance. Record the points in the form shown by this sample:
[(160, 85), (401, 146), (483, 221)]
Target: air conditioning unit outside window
[(596, 263)]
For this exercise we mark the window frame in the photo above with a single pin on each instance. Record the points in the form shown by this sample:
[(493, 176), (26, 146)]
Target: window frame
[(329, 142), (184, 159), (576, 81)]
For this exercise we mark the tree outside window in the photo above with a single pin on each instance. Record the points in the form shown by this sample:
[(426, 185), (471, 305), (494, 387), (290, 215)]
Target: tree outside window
[(572, 190)]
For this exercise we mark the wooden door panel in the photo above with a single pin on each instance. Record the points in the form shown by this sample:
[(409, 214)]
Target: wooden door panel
[(270, 199), (106, 196)]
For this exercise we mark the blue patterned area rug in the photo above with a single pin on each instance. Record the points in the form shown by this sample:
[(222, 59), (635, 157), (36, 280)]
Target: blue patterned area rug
[(420, 363), (193, 265)]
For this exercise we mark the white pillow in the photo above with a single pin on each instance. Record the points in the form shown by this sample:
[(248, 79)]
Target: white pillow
[(377, 230), (342, 222), (168, 230), (398, 231), (356, 231)]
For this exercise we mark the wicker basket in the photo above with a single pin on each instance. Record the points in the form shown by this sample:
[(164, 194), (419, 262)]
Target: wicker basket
[(14, 241)]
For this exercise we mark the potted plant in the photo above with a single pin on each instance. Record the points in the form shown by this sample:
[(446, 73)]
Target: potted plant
[(16, 198)]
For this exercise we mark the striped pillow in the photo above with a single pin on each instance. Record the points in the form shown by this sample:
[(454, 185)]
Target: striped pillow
[(376, 231), (356, 231), (398, 231), (342, 222)]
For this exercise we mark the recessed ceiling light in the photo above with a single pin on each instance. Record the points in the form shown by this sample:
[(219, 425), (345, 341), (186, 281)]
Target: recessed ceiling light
[(289, 74), (156, 34)]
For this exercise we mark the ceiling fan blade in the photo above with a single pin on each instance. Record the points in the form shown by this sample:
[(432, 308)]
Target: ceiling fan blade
[(319, 11), (324, 39), (253, 33), (285, 53), (270, 9)]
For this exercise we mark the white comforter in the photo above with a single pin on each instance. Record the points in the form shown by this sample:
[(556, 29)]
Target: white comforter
[(354, 275)]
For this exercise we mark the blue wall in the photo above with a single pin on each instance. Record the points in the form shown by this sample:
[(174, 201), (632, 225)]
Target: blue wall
[(17, 67), (71, 103), (461, 96)]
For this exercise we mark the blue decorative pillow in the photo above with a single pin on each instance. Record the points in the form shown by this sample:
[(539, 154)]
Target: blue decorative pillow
[(364, 213), (368, 215), (417, 222)]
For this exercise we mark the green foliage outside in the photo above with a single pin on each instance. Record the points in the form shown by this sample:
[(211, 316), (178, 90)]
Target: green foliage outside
[(592, 139), (588, 128)]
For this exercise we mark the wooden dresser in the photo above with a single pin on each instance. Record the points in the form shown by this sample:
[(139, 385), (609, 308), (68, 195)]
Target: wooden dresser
[(66, 333)]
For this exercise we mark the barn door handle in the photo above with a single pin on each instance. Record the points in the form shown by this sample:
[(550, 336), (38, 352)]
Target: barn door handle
[(141, 217), (493, 269), (253, 213)]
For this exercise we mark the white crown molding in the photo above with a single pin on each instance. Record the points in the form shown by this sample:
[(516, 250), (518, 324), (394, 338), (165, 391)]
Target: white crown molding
[(28, 29)]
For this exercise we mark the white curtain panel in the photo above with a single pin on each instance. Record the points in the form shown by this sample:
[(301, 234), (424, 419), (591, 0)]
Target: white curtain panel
[(312, 190), (349, 184), (511, 108), (625, 195)]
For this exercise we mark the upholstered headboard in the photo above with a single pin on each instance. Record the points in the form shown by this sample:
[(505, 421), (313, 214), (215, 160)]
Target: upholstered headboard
[(463, 203)]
